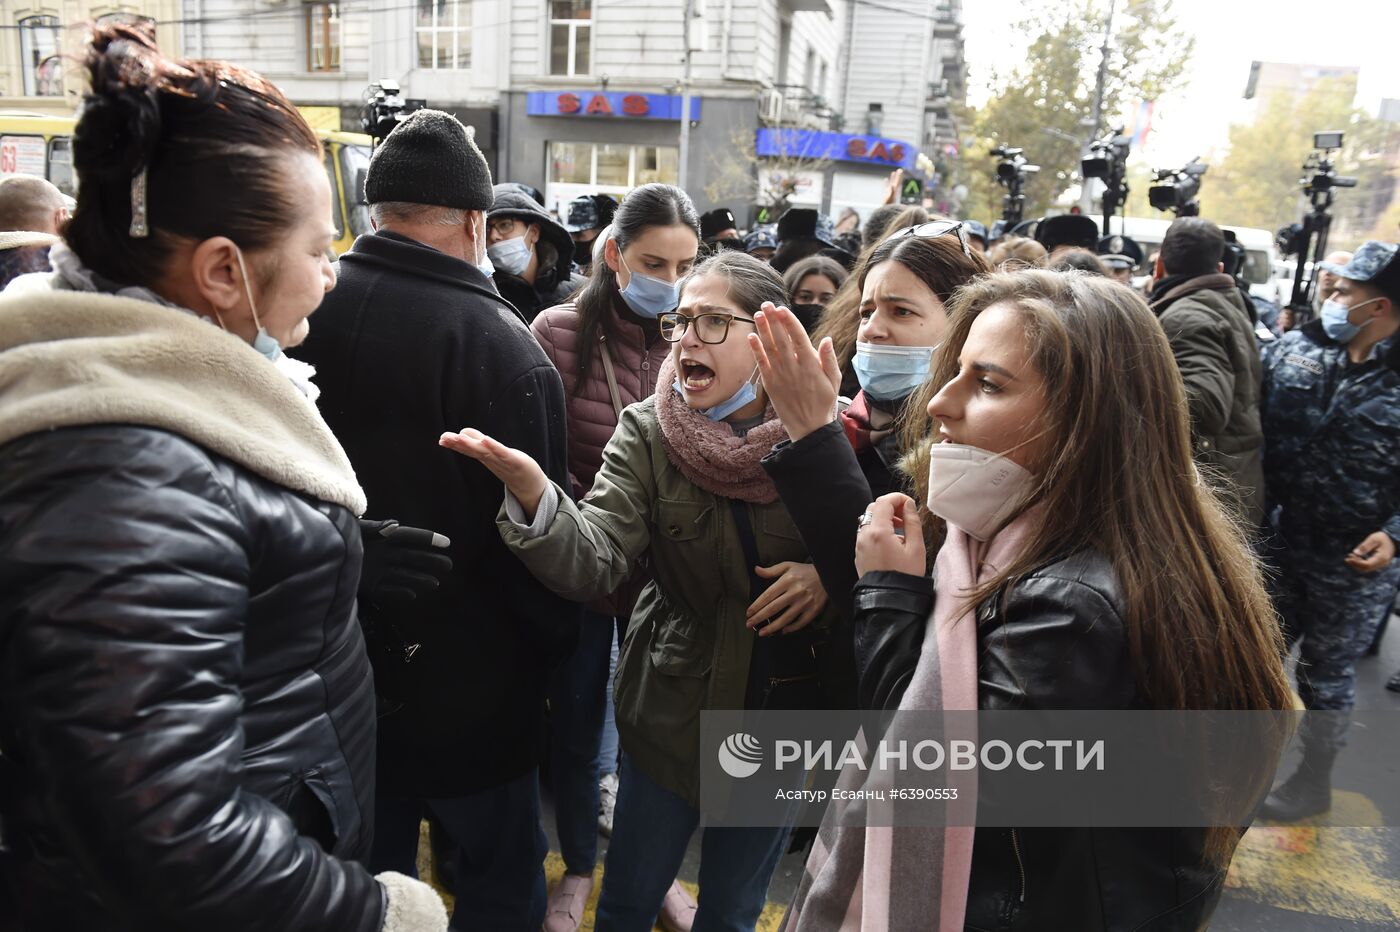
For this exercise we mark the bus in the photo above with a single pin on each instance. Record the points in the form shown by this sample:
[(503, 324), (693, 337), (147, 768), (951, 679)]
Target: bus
[(35, 144)]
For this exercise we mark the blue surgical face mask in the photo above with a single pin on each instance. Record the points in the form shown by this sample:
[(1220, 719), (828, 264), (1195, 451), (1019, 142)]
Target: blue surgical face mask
[(1336, 319), (647, 296), (511, 256), (889, 373), (264, 342), (747, 393)]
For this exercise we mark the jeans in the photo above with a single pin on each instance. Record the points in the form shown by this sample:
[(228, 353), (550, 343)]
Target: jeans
[(607, 753), (500, 851), (579, 707), (651, 830)]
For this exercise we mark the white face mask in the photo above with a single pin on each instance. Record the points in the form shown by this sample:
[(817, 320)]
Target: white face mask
[(511, 256), (483, 261), (974, 490)]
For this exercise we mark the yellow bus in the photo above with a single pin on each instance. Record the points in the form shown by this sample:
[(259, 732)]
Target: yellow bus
[(34, 144)]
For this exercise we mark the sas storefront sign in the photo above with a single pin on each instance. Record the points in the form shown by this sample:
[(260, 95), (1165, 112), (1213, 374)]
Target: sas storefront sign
[(841, 147), (609, 105)]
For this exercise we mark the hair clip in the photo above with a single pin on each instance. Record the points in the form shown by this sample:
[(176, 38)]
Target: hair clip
[(139, 228)]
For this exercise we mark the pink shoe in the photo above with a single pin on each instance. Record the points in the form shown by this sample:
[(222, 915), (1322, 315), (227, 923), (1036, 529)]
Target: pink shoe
[(564, 911), (678, 909)]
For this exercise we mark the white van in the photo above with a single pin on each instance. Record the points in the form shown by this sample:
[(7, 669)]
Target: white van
[(1260, 253)]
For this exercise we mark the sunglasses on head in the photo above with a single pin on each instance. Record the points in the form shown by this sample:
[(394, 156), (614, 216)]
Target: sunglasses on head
[(936, 228)]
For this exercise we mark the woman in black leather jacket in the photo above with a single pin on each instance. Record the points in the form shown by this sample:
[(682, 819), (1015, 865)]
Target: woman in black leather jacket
[(1052, 383), (186, 708)]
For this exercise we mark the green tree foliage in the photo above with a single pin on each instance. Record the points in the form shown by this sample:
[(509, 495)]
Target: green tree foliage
[(1050, 95), (1255, 182)]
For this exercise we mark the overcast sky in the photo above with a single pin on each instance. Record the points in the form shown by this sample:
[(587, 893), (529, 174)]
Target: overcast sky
[(1229, 35)]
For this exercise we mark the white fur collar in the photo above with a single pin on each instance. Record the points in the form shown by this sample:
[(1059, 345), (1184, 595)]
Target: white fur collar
[(73, 358)]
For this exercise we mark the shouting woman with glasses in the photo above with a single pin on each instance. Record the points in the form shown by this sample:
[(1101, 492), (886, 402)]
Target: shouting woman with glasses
[(734, 616), (606, 347)]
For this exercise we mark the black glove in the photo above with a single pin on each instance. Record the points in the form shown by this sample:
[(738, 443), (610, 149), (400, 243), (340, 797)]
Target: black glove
[(400, 562)]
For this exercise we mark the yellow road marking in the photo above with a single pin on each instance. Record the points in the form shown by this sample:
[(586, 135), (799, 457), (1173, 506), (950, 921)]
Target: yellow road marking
[(554, 871), (1339, 873)]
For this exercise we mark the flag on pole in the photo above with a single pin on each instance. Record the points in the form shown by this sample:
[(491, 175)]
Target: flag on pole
[(1142, 123)]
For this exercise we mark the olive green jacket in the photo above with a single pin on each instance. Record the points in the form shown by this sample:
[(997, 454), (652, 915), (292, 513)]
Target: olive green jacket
[(687, 648)]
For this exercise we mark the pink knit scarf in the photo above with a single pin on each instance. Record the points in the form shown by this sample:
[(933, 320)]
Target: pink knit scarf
[(878, 878), (709, 453)]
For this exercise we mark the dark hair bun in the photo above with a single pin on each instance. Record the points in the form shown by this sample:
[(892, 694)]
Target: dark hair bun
[(213, 139), (120, 123)]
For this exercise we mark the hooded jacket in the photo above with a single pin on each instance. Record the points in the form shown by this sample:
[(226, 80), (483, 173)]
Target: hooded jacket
[(186, 709), (555, 279), (1211, 333)]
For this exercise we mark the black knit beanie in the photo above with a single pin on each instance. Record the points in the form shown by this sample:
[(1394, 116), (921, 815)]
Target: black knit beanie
[(429, 159)]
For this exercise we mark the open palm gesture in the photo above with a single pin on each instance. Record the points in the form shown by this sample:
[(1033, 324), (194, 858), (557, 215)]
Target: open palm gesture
[(521, 474)]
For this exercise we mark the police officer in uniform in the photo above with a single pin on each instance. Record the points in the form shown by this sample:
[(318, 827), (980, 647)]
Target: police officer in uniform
[(1331, 412), (1120, 255)]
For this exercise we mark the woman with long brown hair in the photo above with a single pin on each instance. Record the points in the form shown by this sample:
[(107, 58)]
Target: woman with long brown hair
[(1061, 450), (902, 285), (840, 319), (905, 284)]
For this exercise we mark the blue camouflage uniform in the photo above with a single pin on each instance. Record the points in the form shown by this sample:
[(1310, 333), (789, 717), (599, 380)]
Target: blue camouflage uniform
[(1332, 473)]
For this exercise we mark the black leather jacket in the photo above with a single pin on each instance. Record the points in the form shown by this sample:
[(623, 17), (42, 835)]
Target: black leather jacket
[(1057, 641), (186, 709)]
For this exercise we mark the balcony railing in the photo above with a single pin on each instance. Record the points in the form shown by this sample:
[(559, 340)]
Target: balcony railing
[(794, 105)]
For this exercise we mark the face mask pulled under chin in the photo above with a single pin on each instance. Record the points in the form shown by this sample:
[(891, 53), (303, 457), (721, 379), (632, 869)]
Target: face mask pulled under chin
[(747, 393), (263, 342), (974, 490)]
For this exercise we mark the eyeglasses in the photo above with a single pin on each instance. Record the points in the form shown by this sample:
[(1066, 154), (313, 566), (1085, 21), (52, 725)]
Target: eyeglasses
[(710, 328), (936, 228), (502, 226)]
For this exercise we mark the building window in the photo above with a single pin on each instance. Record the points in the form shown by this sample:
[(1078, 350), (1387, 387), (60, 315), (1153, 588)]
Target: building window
[(606, 168), (444, 34), (38, 50), (570, 36), (323, 37)]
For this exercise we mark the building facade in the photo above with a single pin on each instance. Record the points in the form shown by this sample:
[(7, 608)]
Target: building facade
[(594, 100), (40, 38), (448, 53)]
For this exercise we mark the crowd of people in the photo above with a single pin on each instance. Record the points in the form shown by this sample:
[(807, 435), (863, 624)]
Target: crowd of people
[(531, 493)]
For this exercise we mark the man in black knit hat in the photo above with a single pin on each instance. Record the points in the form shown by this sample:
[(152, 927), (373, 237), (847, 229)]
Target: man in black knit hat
[(413, 342)]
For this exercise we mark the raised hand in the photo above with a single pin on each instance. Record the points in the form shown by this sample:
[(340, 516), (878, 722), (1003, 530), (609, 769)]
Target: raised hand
[(789, 604), (800, 381), (521, 474), (892, 538), (892, 186)]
